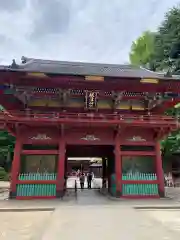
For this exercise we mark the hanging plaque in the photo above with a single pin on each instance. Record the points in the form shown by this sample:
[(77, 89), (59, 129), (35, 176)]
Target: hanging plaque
[(91, 99)]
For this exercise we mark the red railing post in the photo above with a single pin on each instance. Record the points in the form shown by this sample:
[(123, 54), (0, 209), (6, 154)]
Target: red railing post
[(159, 169), (61, 168), (118, 166), (15, 168)]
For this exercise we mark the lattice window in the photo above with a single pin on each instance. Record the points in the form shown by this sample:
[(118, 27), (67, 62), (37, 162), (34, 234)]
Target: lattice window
[(46, 90), (77, 92), (133, 94)]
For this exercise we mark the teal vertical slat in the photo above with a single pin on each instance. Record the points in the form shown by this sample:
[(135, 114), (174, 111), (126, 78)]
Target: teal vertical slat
[(17, 191), (47, 189), (141, 189), (35, 189), (32, 190), (40, 189), (22, 190), (54, 190), (26, 188), (50, 189), (42, 186)]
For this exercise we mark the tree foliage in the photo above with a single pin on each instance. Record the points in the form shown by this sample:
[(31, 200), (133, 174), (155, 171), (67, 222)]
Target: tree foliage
[(6, 149), (142, 50), (167, 42), (160, 51)]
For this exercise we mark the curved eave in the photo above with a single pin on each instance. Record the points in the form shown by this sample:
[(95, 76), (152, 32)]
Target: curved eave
[(49, 74)]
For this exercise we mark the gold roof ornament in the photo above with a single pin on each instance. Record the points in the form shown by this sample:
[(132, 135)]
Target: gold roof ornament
[(149, 80), (94, 78), (36, 74)]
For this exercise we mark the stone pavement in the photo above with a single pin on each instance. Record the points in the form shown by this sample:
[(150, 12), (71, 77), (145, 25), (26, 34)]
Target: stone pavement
[(104, 220), (89, 216), (23, 225), (169, 218)]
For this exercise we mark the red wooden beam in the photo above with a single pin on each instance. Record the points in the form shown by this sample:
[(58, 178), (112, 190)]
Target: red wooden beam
[(84, 118), (137, 153), (39, 152), (134, 143), (78, 82)]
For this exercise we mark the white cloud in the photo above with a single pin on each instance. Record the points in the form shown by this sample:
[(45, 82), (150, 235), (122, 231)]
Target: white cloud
[(76, 30)]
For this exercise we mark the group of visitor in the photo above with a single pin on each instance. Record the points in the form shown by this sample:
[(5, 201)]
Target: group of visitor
[(89, 179)]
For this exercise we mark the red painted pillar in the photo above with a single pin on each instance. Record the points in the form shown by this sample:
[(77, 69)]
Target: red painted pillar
[(118, 167), (15, 168), (159, 170), (61, 168)]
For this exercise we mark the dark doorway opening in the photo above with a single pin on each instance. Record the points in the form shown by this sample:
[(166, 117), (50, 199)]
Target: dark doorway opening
[(97, 159)]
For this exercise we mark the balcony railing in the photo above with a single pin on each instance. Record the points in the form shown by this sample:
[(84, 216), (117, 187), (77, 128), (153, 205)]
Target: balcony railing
[(22, 116)]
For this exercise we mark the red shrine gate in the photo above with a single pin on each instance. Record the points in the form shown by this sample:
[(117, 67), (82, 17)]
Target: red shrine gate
[(50, 105)]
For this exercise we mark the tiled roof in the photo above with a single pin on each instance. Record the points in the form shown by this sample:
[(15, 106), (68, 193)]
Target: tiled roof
[(79, 68)]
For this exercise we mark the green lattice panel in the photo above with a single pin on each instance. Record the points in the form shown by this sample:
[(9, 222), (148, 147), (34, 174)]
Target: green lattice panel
[(27, 190), (37, 176)]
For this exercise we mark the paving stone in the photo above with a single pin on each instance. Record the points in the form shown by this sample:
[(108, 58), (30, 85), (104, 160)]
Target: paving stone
[(104, 220), (91, 215), (21, 226)]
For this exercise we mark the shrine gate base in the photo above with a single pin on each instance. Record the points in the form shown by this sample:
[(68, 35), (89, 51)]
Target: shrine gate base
[(51, 143)]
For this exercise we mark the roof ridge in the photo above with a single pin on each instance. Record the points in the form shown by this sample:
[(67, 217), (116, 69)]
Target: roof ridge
[(39, 60)]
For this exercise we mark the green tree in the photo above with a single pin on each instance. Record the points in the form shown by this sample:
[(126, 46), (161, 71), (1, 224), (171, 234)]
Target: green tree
[(6, 149), (167, 43), (142, 51), (160, 51)]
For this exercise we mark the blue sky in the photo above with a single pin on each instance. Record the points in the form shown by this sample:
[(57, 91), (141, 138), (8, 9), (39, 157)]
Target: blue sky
[(76, 30)]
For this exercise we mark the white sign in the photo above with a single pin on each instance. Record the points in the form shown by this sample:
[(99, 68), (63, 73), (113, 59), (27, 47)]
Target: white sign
[(40, 137), (137, 139), (90, 138)]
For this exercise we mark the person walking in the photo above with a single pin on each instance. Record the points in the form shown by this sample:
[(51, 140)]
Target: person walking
[(82, 179), (89, 179)]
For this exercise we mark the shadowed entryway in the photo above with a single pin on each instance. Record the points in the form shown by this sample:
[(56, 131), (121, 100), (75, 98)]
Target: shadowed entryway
[(97, 159)]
